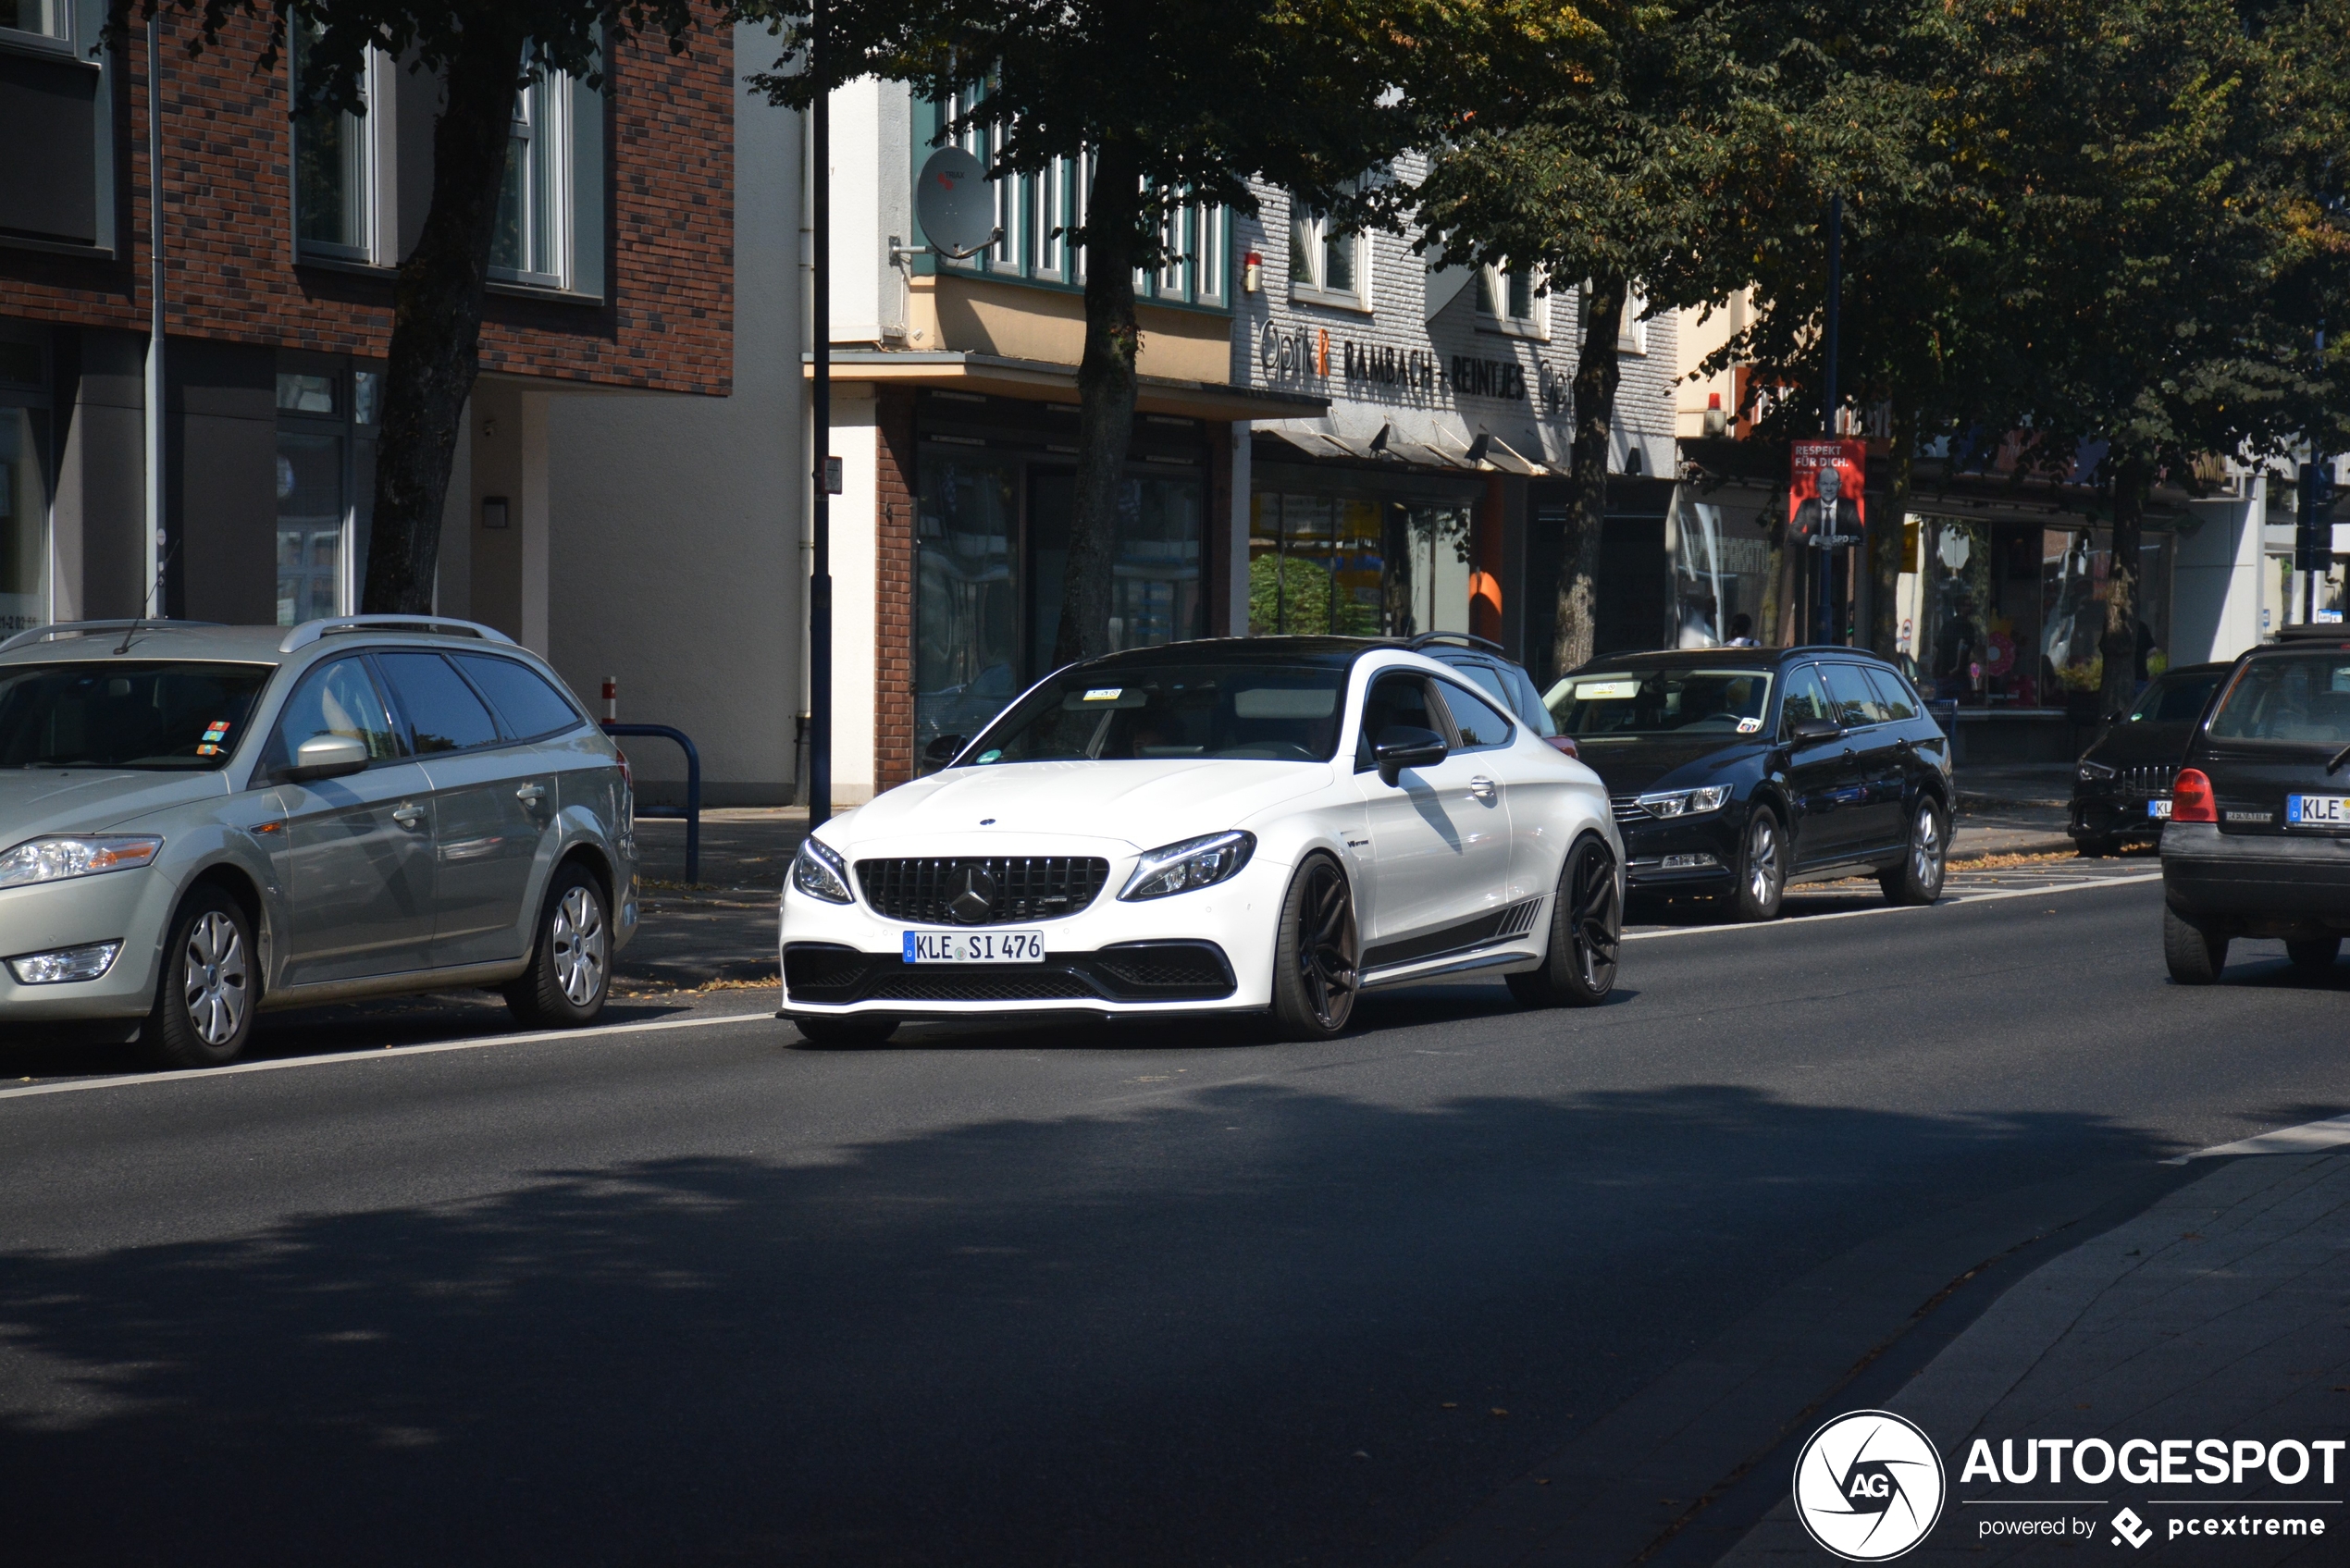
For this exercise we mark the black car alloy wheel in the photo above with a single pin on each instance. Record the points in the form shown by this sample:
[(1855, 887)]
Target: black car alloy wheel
[(1318, 952), (1586, 923), (1762, 867)]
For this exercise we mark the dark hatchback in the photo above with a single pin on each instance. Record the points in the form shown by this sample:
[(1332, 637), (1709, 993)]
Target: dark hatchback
[(2258, 842), (2121, 785), (1737, 771)]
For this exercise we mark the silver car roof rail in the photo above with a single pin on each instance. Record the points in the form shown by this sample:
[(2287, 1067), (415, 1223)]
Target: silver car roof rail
[(77, 628), (311, 630)]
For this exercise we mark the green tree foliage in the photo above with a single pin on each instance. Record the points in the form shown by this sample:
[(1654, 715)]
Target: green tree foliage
[(1177, 102), (484, 52)]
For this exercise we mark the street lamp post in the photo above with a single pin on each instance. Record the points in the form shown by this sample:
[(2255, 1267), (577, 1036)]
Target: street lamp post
[(820, 576), (1825, 628)]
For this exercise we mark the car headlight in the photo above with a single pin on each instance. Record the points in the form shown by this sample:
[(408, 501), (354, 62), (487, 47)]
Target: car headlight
[(55, 859), (1685, 802), (2091, 773), (1195, 862), (819, 872)]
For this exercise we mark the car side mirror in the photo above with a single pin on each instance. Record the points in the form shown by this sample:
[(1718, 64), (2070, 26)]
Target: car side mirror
[(327, 757), (1810, 729), (940, 752), (1404, 746)]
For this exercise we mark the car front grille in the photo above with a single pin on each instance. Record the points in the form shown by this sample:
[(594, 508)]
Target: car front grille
[(1628, 808), (2152, 783), (829, 975), (923, 891)]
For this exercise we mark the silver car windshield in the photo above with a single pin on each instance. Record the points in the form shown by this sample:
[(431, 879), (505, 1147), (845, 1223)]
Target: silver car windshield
[(175, 717), (1271, 712), (1650, 702)]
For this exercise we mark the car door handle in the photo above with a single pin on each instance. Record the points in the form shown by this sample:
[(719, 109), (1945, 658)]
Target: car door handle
[(408, 814), (1482, 787), (531, 794)]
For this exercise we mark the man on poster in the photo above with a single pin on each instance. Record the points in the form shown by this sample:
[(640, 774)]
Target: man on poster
[(1825, 517)]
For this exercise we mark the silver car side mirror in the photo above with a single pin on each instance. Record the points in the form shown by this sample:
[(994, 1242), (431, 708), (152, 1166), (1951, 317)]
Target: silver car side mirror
[(327, 757)]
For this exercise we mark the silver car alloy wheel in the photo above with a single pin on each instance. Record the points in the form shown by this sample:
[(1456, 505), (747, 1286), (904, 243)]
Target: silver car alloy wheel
[(1926, 848), (579, 945), (1762, 861), (216, 979)]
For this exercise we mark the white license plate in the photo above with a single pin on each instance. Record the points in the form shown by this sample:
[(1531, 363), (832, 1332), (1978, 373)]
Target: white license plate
[(2316, 811), (974, 947), (2159, 810)]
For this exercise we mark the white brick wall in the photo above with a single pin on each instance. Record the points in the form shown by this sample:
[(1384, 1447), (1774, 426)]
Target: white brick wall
[(1425, 406)]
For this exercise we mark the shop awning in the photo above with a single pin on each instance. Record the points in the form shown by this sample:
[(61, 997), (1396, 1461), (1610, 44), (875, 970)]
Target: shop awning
[(1497, 457), (1040, 381)]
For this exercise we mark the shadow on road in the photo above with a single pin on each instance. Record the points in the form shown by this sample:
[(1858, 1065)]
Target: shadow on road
[(1252, 1326)]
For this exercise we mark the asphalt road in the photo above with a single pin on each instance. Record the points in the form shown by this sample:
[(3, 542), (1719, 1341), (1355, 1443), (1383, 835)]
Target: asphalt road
[(704, 1294)]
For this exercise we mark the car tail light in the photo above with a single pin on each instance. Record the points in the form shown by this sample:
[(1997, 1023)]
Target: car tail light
[(1565, 743), (627, 779), (2191, 797)]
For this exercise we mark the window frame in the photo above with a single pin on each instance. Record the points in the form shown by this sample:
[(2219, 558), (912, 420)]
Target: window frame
[(1310, 238), (548, 130), (276, 760), (1457, 747), (1494, 283), (498, 715), (498, 736), (376, 160), (60, 41), (1632, 332)]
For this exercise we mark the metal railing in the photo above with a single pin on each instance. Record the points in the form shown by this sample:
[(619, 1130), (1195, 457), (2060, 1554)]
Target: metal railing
[(692, 813)]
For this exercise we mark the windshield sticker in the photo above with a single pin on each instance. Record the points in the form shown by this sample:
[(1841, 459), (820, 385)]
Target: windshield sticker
[(1104, 694), (203, 749), (989, 755), (1748, 726), (214, 730), (1604, 691)]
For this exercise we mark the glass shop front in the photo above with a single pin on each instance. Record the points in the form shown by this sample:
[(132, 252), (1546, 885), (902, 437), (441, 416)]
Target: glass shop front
[(995, 492)]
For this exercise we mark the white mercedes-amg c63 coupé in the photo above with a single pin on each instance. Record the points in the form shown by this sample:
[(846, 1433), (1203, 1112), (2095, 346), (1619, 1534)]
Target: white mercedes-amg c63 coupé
[(1260, 825)]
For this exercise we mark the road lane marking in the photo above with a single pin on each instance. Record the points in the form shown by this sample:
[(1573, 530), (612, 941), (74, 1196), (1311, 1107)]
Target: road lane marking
[(2309, 1138), (478, 1042), (1798, 921)]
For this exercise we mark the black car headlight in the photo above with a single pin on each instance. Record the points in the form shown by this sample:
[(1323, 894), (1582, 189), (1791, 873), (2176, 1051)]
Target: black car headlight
[(819, 872), (1195, 862), (1685, 802), (2095, 772)]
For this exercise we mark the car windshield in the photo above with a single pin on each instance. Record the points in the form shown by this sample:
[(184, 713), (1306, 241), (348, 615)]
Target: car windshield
[(2176, 699), (2299, 698), (1271, 712), (1652, 702), (178, 717)]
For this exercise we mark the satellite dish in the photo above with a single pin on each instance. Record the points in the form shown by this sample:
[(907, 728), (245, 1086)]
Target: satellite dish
[(954, 203)]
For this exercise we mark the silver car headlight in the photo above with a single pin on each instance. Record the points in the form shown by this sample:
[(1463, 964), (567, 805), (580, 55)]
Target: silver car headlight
[(1195, 862), (1685, 802), (55, 860), (819, 871)]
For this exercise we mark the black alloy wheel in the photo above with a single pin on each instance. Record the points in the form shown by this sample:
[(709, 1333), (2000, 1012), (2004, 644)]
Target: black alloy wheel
[(1762, 867), (2192, 955), (2313, 954), (1918, 879), (1317, 957), (1587, 926)]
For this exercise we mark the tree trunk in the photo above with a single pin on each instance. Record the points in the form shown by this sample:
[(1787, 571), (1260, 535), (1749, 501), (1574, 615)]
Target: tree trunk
[(1885, 532), (436, 323), (1596, 374), (2133, 477), (1105, 403)]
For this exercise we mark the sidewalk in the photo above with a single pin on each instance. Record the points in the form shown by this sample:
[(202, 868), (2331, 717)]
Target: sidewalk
[(721, 929), (2014, 810), (2217, 1314)]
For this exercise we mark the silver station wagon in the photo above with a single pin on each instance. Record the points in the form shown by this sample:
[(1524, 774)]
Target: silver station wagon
[(200, 822)]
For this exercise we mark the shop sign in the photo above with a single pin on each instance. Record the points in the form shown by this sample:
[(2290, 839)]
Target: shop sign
[(1301, 353), (1387, 365)]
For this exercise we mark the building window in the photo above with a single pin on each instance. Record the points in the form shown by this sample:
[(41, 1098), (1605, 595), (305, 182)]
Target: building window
[(528, 244), (327, 414), (1327, 267), (1514, 300), (1632, 335), (45, 19), (334, 168)]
